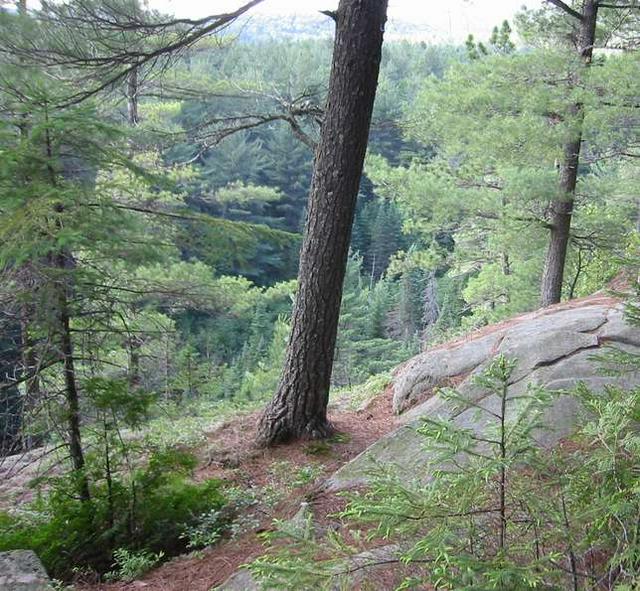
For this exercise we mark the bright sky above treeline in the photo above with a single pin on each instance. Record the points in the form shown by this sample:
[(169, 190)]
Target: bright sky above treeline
[(443, 20)]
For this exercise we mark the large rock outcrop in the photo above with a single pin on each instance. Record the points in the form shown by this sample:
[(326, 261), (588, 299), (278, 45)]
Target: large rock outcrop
[(21, 570), (554, 347)]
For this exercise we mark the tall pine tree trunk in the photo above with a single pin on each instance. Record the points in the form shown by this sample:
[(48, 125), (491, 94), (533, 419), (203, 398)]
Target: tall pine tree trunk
[(60, 263), (299, 406), (562, 207), (561, 213)]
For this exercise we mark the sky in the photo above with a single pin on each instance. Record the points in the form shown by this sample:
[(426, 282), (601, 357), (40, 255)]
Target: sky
[(448, 19)]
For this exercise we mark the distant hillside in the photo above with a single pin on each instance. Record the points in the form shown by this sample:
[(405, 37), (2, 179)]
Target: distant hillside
[(260, 27)]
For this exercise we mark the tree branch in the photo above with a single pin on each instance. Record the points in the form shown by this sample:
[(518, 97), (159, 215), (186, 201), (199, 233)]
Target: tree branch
[(108, 61), (566, 8), (332, 14)]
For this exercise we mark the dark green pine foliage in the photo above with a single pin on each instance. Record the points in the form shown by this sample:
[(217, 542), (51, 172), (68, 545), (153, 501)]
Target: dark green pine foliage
[(377, 231), (451, 305), (363, 349), (386, 237), (260, 335), (289, 170), (240, 157), (380, 302), (406, 319)]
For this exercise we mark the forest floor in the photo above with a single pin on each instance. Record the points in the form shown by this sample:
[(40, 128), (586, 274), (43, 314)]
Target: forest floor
[(293, 472)]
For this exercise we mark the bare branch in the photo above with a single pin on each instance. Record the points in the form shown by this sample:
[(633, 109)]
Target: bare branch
[(566, 8), (116, 53)]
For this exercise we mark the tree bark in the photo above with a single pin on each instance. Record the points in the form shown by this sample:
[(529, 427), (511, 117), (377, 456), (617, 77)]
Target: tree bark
[(562, 207), (132, 98), (11, 405), (31, 368), (71, 389), (299, 406), (561, 213)]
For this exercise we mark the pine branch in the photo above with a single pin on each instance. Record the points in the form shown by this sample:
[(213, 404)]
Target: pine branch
[(566, 8), (230, 225), (115, 63)]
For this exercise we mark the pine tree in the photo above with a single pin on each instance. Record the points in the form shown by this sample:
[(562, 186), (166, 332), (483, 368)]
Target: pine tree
[(299, 406)]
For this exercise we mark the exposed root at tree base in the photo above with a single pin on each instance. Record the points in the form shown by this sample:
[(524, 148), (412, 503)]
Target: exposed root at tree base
[(275, 430)]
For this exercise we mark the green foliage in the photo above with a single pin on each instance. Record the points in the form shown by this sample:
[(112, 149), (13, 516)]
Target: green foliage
[(172, 231), (472, 538), (208, 529), (286, 477), (147, 510), (359, 395), (132, 565), (496, 511), (494, 129), (364, 346)]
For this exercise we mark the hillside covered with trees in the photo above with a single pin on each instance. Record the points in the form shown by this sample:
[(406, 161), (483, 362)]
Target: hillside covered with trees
[(202, 223)]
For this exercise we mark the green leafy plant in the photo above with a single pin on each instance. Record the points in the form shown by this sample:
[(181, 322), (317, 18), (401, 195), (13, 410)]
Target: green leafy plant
[(206, 531), (496, 512), (147, 509), (132, 565)]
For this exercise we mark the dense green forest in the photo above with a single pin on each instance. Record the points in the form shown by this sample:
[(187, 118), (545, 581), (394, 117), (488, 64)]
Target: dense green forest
[(154, 177)]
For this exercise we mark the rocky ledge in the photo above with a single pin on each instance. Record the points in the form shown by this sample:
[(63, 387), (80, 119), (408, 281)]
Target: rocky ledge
[(555, 347), (21, 570)]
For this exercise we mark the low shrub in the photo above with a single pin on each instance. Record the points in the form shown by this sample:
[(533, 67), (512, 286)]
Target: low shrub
[(148, 509)]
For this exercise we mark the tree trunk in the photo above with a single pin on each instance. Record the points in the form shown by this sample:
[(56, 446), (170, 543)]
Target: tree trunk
[(71, 389), (299, 407), (60, 264), (133, 344), (31, 368), (562, 207), (561, 212), (132, 98)]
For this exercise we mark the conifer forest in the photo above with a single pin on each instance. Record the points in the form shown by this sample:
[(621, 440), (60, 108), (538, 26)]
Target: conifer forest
[(239, 254)]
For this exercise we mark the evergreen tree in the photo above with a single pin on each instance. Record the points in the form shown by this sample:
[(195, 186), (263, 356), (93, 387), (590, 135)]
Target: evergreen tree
[(299, 406)]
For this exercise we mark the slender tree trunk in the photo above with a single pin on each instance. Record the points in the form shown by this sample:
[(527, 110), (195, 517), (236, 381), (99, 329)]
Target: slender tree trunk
[(11, 404), (133, 344), (132, 98), (29, 358), (579, 269), (430, 308), (504, 256), (71, 389), (299, 407), (562, 207)]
